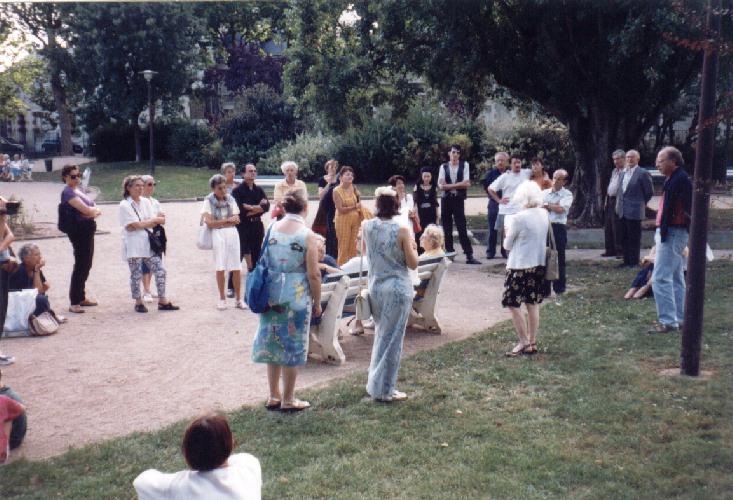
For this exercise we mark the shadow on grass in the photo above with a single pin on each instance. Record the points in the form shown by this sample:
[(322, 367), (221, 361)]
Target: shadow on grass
[(588, 416)]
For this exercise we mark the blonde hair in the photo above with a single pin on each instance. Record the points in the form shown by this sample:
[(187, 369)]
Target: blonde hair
[(227, 165), (435, 234)]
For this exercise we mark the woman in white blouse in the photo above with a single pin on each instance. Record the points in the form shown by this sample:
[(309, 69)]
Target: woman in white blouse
[(214, 471), (525, 268), (136, 218), (221, 215), (408, 213)]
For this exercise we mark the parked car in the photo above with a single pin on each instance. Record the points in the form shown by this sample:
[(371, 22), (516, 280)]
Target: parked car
[(9, 147), (54, 146)]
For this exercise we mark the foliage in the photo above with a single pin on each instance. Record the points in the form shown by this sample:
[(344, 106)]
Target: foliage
[(573, 421), (265, 119), (116, 142), (18, 77), (309, 150), (247, 65), (426, 125), (189, 143), (546, 139)]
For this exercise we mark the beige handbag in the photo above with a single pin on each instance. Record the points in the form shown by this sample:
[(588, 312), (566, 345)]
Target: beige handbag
[(552, 268), (42, 325)]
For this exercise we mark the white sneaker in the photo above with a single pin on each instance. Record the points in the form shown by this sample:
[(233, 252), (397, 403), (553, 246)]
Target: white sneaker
[(147, 297), (242, 305), (222, 305), (6, 360)]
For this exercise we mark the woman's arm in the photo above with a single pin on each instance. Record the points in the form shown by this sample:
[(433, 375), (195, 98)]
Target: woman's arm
[(9, 236), (218, 224), (313, 272), (340, 207), (145, 224), (407, 242), (85, 210)]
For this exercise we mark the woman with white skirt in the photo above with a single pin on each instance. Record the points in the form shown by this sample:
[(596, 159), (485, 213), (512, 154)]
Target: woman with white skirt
[(221, 215)]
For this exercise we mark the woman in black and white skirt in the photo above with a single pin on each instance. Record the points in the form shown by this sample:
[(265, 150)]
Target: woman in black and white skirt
[(525, 268)]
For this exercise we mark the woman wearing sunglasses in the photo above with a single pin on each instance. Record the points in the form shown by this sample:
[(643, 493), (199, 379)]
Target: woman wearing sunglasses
[(82, 237)]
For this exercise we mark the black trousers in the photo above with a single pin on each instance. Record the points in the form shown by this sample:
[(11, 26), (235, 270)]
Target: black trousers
[(560, 231), (332, 242), (4, 278), (631, 240), (427, 216), (493, 213), (83, 245), (611, 228), (452, 209)]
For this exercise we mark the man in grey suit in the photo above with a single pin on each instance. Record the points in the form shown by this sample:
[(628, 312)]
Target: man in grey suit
[(633, 194)]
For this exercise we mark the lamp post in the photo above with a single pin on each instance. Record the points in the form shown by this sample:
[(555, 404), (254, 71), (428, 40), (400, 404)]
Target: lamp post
[(148, 75)]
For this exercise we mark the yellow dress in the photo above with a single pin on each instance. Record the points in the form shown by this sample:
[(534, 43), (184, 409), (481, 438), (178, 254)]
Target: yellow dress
[(347, 225)]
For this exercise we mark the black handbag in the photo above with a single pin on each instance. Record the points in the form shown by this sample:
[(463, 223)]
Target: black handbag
[(156, 237)]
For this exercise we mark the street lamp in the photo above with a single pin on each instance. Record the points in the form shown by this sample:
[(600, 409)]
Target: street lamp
[(148, 75)]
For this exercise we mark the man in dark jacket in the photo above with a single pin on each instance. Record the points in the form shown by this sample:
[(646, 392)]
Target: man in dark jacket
[(673, 222)]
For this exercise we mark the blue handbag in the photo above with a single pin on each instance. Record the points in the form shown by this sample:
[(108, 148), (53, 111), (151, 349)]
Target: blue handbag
[(256, 293)]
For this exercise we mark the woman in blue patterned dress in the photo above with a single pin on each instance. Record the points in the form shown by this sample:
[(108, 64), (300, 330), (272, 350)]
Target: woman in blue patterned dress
[(391, 250), (294, 286)]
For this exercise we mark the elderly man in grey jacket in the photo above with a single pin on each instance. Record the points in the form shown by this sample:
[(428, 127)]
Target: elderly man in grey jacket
[(633, 194)]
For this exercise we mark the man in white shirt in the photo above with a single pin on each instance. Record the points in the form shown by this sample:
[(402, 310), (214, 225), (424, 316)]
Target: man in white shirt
[(507, 183), (558, 200), (454, 179), (611, 221)]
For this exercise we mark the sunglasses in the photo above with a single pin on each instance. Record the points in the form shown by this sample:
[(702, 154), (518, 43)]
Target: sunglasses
[(74, 176)]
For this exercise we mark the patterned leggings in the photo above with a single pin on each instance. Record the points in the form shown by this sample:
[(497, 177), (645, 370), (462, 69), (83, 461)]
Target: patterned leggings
[(155, 264)]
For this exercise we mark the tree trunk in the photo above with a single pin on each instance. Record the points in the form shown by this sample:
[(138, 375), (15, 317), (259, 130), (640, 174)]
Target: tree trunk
[(138, 146), (57, 88), (590, 137)]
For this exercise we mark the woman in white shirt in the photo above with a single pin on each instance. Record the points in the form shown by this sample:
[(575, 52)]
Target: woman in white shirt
[(214, 473), (525, 268), (408, 213), (221, 215), (136, 218)]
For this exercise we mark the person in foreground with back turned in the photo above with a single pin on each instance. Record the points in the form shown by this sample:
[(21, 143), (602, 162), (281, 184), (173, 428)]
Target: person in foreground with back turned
[(294, 288), (214, 471), (525, 268), (392, 251)]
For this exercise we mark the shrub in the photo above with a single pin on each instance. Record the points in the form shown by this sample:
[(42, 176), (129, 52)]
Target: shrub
[(265, 119), (546, 139), (116, 142), (425, 125), (189, 143), (309, 150)]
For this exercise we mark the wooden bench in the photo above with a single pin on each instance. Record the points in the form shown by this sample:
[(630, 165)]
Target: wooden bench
[(338, 294)]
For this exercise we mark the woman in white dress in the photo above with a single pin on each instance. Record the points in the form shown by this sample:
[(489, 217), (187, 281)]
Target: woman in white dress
[(221, 214)]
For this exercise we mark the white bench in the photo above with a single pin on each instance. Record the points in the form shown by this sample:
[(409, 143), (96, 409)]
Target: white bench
[(338, 294)]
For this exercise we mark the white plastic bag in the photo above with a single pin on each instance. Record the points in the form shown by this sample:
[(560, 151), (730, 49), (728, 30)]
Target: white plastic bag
[(204, 240), (21, 304)]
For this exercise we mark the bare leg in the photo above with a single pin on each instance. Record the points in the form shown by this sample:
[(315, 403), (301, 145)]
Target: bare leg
[(146, 282), (533, 319), (237, 279), (630, 294), (273, 379), (289, 375), (643, 291), (520, 324), (220, 282)]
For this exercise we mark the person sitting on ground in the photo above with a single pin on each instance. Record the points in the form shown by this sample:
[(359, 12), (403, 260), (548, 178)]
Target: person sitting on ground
[(214, 471), (30, 275), (642, 285), (19, 424)]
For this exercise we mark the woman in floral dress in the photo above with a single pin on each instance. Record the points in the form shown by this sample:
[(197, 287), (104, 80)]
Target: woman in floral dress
[(294, 286)]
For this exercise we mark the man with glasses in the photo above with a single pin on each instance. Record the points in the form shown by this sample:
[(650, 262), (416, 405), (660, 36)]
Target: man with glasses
[(253, 203), (558, 200), (454, 181), (611, 221)]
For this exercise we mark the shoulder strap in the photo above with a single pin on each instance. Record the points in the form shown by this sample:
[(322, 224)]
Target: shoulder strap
[(138, 216), (550, 235), (266, 243)]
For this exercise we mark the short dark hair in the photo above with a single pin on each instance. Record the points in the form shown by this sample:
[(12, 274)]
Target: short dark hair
[(346, 168), (387, 206), (207, 442), (537, 159), (457, 147), (67, 169), (515, 157), (244, 168), (392, 181), (294, 201), (329, 163)]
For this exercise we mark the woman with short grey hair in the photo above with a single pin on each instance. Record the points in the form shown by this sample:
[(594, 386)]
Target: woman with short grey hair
[(221, 214)]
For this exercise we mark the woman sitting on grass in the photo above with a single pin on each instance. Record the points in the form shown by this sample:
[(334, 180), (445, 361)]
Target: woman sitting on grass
[(642, 285), (214, 471)]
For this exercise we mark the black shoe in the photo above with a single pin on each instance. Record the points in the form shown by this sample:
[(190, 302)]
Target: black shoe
[(489, 257), (504, 254), (230, 293), (141, 308), (471, 260), (606, 254), (661, 328)]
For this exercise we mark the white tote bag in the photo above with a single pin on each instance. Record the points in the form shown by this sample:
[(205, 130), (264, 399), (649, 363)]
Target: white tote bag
[(204, 240), (21, 304)]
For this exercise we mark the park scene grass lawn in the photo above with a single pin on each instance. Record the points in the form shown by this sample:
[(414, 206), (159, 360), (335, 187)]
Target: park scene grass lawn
[(590, 416)]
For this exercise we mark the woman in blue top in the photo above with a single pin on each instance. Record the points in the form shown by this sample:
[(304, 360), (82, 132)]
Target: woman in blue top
[(294, 288), (391, 250)]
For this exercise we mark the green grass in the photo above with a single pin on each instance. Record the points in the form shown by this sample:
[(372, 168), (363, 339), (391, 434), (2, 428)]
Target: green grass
[(590, 416), (174, 181)]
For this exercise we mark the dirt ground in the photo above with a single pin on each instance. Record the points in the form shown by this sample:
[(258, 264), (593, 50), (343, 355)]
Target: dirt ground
[(111, 371)]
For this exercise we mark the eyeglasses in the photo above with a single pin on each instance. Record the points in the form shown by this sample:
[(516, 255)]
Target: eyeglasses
[(74, 177), (560, 178)]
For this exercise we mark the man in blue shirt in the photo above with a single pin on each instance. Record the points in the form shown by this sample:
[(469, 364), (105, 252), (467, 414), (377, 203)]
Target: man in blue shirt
[(501, 160)]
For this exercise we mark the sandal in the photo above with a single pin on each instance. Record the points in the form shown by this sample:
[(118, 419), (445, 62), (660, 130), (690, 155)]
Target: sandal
[(76, 308), (88, 303), (531, 349), (167, 307), (294, 405), (272, 404), (395, 396), (518, 349), (141, 308)]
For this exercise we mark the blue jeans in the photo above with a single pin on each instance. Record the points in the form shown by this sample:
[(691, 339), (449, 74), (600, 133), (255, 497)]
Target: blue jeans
[(668, 278)]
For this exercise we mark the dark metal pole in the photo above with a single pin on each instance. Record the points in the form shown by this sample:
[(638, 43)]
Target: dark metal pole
[(150, 126), (707, 125)]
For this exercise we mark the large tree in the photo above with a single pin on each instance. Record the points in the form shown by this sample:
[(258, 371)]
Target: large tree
[(606, 69), (113, 43)]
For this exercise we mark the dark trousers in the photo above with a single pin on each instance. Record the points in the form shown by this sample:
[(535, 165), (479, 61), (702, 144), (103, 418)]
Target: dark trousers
[(83, 244), (42, 304), (493, 233), (631, 240), (332, 242), (452, 209), (4, 277), (560, 231), (427, 216), (611, 228)]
